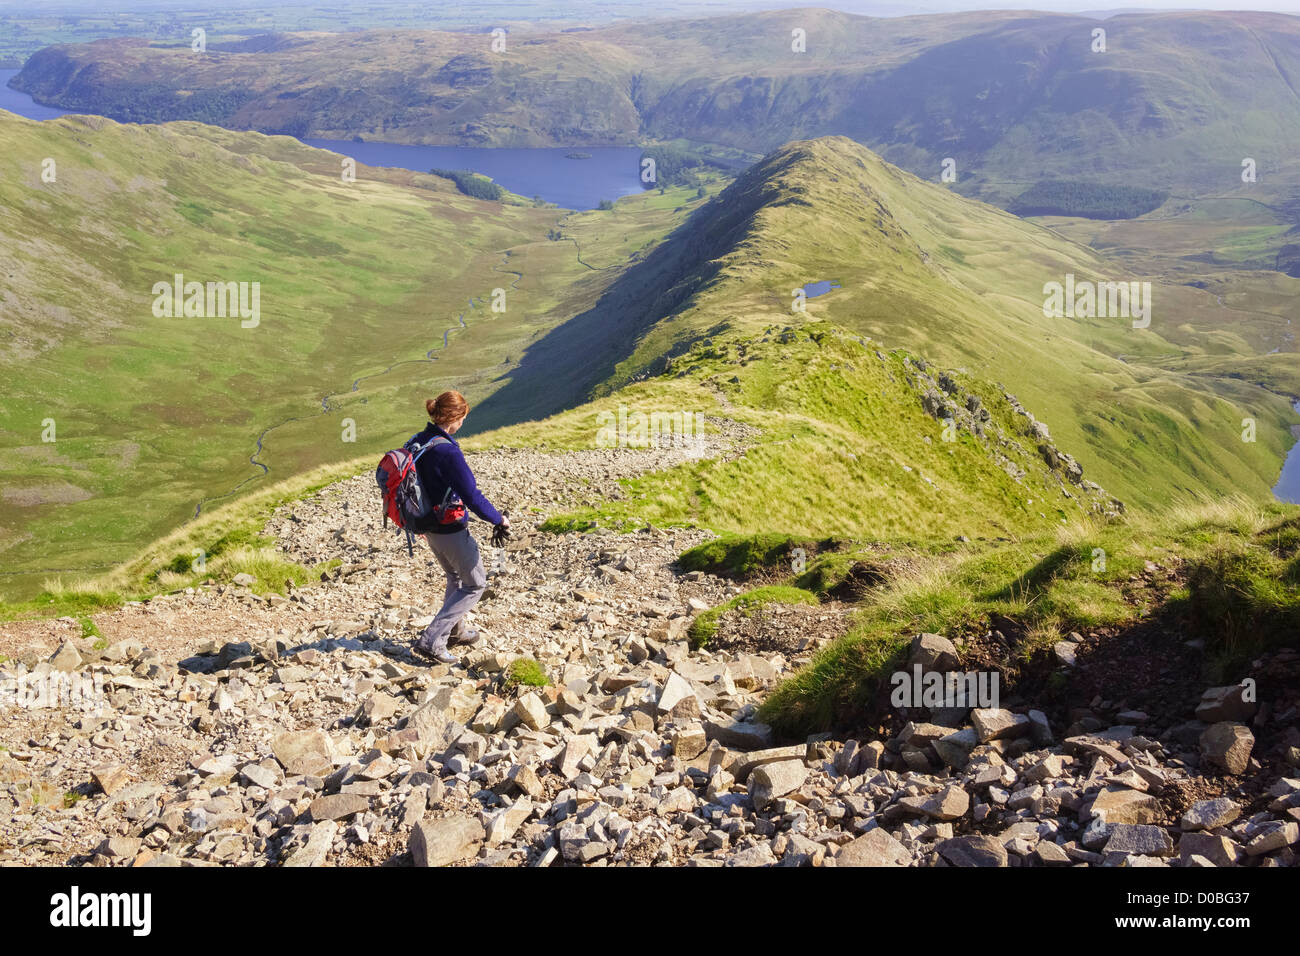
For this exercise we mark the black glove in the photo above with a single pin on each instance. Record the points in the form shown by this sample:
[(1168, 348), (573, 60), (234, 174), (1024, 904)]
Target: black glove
[(500, 535)]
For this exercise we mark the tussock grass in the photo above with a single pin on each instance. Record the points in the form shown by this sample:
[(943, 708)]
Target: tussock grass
[(230, 539), (1239, 563), (1244, 594), (526, 672), (705, 625), (736, 556), (59, 597), (827, 571), (265, 564)]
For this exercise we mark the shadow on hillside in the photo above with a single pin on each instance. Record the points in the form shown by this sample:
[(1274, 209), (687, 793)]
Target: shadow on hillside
[(560, 369), (1038, 578)]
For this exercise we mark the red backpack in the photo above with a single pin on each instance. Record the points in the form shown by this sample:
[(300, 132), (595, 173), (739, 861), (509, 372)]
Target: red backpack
[(405, 502)]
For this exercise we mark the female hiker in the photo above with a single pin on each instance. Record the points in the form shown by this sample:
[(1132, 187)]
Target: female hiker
[(446, 478)]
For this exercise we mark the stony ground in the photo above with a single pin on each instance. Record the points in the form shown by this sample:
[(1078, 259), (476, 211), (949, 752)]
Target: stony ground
[(298, 729)]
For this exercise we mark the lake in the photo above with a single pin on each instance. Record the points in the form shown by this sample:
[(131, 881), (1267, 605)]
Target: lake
[(1288, 485), (813, 289), (611, 171), (21, 103)]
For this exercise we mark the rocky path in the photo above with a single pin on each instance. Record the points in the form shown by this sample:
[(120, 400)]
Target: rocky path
[(227, 728)]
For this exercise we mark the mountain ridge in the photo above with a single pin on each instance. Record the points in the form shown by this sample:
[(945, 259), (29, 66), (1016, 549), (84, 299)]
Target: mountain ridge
[(1148, 110), (955, 280)]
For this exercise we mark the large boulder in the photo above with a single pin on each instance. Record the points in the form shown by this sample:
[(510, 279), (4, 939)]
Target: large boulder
[(1225, 703), (532, 712), (1124, 805), (933, 652), (317, 847), (1227, 745), (997, 724), (874, 848), (446, 840), (66, 658), (676, 690), (1140, 839), (458, 703), (773, 780), (433, 727), (304, 751), (1218, 850), (950, 803), (973, 851), (337, 806), (739, 734), (1210, 814), (955, 749), (744, 763), (1274, 835), (503, 824), (918, 734)]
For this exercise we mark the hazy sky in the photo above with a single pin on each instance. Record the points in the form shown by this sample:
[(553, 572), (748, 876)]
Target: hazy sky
[(1280, 6), (885, 8), (561, 8)]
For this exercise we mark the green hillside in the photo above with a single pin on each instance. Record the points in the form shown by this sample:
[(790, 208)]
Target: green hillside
[(848, 440), (636, 304), (365, 293)]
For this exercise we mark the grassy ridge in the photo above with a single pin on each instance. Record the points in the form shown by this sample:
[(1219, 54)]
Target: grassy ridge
[(961, 283), (844, 448)]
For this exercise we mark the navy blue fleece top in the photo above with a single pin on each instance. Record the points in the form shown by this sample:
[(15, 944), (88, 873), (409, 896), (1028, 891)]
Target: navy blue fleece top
[(444, 466)]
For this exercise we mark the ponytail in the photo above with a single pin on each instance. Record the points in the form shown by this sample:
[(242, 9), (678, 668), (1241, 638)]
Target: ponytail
[(447, 408)]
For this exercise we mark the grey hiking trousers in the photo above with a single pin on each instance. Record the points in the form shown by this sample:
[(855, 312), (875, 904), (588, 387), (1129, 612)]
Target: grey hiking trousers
[(466, 580)]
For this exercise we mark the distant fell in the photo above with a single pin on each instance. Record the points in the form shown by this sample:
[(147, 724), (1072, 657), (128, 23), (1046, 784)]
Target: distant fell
[(1161, 100)]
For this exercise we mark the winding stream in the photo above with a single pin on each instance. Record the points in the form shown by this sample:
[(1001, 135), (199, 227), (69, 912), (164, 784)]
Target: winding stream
[(608, 173), (326, 408)]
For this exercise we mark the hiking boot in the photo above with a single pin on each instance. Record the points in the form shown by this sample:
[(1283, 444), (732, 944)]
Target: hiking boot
[(429, 654), (465, 638)]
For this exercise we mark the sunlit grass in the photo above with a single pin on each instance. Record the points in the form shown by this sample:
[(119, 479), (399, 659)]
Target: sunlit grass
[(1241, 562)]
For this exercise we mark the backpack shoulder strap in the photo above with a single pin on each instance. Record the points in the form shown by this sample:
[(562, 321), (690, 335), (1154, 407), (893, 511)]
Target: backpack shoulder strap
[(435, 440)]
